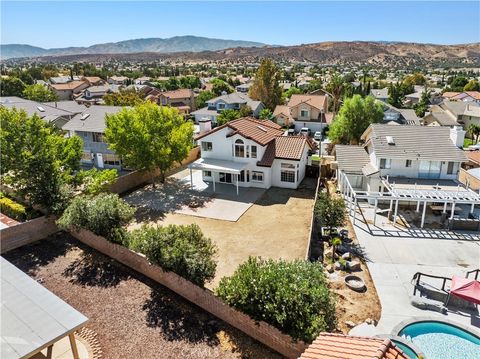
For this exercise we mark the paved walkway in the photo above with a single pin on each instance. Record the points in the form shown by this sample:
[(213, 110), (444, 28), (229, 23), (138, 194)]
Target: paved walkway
[(393, 261)]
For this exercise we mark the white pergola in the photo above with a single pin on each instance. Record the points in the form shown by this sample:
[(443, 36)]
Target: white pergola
[(217, 166), (396, 194), (32, 317)]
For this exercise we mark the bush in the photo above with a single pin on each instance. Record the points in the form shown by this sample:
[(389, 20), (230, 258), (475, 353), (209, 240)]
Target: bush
[(12, 209), (292, 296), (329, 212), (180, 249), (104, 215)]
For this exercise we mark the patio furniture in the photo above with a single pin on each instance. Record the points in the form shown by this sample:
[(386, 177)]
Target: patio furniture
[(465, 288)]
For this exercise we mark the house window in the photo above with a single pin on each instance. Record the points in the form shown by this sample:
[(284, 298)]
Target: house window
[(221, 106), (287, 173), (111, 160), (257, 176), (385, 163), (206, 146), (98, 137), (303, 113), (87, 156), (408, 163), (450, 168), (253, 151), (239, 148), (207, 173)]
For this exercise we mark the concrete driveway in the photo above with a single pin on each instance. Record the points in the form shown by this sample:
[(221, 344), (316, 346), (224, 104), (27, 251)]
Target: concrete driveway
[(393, 261)]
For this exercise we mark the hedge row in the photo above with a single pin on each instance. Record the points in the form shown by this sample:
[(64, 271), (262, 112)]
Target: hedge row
[(13, 209)]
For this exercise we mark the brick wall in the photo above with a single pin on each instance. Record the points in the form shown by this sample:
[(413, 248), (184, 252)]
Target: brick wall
[(27, 232), (203, 298), (136, 178), (468, 180)]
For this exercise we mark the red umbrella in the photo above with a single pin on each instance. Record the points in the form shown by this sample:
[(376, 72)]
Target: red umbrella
[(468, 289)]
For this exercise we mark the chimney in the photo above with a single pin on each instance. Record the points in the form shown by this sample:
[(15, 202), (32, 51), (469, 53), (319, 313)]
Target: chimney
[(205, 125), (457, 135)]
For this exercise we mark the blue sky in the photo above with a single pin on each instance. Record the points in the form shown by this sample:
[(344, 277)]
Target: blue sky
[(70, 23)]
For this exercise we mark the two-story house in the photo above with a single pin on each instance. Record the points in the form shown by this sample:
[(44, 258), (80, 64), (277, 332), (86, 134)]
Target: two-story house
[(68, 90), (181, 99), (308, 111), (232, 101), (90, 127), (117, 80), (419, 152), (251, 153), (400, 116)]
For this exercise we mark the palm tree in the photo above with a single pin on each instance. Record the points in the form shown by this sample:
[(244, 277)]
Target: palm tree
[(336, 241), (474, 130)]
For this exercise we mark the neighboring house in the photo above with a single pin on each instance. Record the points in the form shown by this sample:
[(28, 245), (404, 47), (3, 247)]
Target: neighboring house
[(309, 111), (232, 101), (252, 153), (466, 96), (70, 106), (243, 88), (439, 118), (90, 127), (419, 152), (380, 94), (93, 80), (415, 97), (67, 91), (49, 113), (463, 113), (182, 99), (94, 94), (473, 159), (283, 116), (142, 80), (400, 116), (335, 346), (62, 79), (117, 80)]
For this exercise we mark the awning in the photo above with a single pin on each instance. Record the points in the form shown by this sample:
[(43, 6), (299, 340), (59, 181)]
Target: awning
[(210, 164), (33, 318), (468, 289)]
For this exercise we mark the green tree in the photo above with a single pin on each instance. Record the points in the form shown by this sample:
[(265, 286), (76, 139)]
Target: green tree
[(422, 106), (329, 212), (416, 78), (149, 137), (458, 83), (396, 96), (292, 296), (245, 111), (39, 93), (472, 85), (291, 91), (266, 86), (220, 86), (336, 88), (227, 116), (203, 97), (124, 98), (37, 159), (474, 131), (180, 249), (95, 181), (11, 86), (266, 114), (354, 117)]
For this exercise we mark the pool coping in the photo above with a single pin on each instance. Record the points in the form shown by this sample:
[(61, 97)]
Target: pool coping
[(411, 345), (403, 324)]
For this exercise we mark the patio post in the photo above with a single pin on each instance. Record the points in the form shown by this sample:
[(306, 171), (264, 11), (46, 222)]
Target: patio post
[(472, 208), (395, 213), (423, 213), (445, 207), (375, 211), (191, 177), (418, 207), (213, 177), (390, 209), (237, 182), (354, 210), (73, 346), (453, 210)]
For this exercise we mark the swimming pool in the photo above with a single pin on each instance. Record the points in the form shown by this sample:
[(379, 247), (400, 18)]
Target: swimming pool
[(406, 349), (442, 340)]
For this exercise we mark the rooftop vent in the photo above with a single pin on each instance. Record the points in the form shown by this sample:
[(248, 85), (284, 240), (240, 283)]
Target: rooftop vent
[(40, 108), (390, 140), (84, 116), (262, 128)]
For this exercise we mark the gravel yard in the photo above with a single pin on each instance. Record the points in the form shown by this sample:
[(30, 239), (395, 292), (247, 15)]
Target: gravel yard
[(276, 226), (133, 316)]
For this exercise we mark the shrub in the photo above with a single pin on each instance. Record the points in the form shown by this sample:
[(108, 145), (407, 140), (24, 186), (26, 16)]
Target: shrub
[(329, 212), (12, 209), (292, 296), (96, 181), (180, 249), (104, 215)]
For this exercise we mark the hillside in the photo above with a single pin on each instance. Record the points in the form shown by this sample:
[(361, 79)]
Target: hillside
[(331, 53), (173, 44)]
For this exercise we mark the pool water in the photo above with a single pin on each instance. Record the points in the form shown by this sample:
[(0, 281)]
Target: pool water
[(439, 340), (411, 354)]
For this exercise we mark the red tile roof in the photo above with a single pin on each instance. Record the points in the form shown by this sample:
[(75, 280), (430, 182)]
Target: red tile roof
[(259, 131), (284, 147), (474, 156), (316, 101), (72, 85), (449, 94), (339, 346), (177, 94)]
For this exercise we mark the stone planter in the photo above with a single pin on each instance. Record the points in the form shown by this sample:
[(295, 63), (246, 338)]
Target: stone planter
[(355, 283)]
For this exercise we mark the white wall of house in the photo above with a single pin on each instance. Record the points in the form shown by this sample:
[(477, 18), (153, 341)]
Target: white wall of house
[(399, 168), (298, 169), (312, 126)]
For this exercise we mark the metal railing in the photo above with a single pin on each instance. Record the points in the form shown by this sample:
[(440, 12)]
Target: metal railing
[(417, 276), (475, 271)]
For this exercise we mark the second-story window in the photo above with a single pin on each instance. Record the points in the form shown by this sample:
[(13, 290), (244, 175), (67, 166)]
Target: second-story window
[(239, 148), (98, 137), (207, 146), (408, 163), (385, 163), (304, 113), (253, 152)]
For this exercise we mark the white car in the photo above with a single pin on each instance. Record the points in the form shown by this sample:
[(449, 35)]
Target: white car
[(304, 131), (474, 147), (317, 136)]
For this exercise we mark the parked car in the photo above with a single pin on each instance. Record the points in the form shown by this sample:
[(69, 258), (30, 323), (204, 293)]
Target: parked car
[(317, 136), (304, 131), (291, 132), (474, 147)]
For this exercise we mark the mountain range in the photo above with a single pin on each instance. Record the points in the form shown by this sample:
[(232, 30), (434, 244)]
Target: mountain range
[(158, 45)]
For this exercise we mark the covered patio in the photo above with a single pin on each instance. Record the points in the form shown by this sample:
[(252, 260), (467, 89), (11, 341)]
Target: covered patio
[(221, 170)]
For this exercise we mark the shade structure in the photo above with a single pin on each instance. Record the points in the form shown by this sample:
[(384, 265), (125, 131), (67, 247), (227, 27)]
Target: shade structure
[(468, 289)]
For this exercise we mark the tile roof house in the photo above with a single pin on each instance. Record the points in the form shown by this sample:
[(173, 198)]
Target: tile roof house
[(232, 101), (182, 99), (93, 80), (68, 90), (339, 346), (117, 80), (466, 96), (252, 153), (453, 113)]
